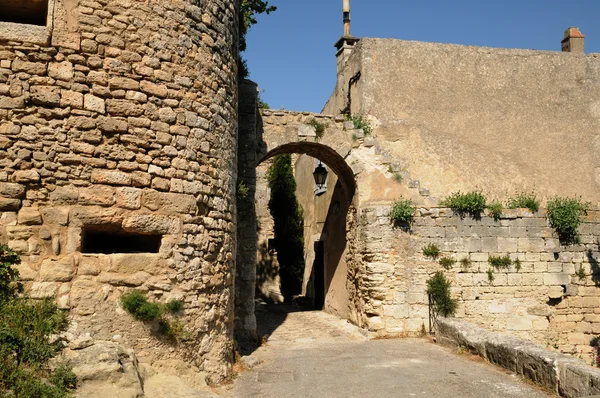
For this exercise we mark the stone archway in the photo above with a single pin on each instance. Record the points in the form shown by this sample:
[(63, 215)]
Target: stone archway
[(264, 135)]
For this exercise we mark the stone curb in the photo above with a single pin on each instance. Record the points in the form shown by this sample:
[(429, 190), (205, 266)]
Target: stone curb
[(567, 376)]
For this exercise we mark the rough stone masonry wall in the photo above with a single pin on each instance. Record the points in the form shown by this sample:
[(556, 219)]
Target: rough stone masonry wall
[(130, 123), (544, 301)]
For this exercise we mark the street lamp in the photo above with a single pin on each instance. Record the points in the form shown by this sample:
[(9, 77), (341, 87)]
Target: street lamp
[(320, 175)]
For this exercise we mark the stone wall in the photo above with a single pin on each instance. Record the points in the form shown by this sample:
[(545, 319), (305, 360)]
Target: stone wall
[(562, 374), (126, 123), (462, 117), (542, 299)]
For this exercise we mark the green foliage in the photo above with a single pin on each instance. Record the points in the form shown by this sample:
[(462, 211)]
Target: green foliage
[(500, 262), (495, 209), (9, 285), (447, 262), (431, 250), (25, 347), (517, 264), (398, 177), (63, 377), (289, 225), (565, 215), (490, 275), (465, 262), (136, 303), (402, 212), (249, 9), (581, 273), (360, 123), (242, 190), (472, 203), (174, 306), (319, 127), (524, 200), (438, 288)]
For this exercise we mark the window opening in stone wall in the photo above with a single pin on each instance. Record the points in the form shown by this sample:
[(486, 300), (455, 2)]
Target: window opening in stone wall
[(30, 12), (112, 240)]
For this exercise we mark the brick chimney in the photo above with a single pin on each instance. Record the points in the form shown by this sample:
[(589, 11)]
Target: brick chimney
[(573, 41)]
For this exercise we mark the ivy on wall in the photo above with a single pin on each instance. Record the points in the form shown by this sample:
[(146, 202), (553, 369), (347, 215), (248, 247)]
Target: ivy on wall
[(289, 225)]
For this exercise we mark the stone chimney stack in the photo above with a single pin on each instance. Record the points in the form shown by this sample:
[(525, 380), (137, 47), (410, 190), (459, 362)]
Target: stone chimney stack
[(346, 44), (573, 41)]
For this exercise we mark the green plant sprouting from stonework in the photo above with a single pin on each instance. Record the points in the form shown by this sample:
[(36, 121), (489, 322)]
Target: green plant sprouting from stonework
[(402, 212), (581, 273), (490, 275), (439, 291), (137, 304), (431, 251), (565, 216), (517, 264), (524, 200), (495, 209), (472, 203), (500, 262), (447, 262), (319, 128), (360, 123)]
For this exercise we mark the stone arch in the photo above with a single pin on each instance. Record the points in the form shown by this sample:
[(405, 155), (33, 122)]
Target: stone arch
[(325, 154)]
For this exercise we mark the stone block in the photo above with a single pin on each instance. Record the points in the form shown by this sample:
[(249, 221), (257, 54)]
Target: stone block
[(530, 245), (62, 270), (117, 279), (94, 104), (556, 279), (61, 71), (92, 215), (7, 204), (97, 195), (169, 202), (27, 176), (71, 99), (40, 290), (29, 216), (507, 245), (11, 190), (152, 224), (110, 177), (45, 95), (129, 198), (154, 264), (399, 311)]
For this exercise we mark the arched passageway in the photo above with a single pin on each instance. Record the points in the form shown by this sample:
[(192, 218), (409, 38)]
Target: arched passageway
[(329, 218)]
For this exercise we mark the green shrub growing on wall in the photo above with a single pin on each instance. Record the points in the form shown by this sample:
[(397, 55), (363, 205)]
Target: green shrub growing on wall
[(402, 212), (472, 203), (438, 289), (431, 251), (319, 128), (524, 200), (565, 216), (25, 345), (447, 262), (500, 262), (136, 303), (360, 123), (289, 225), (495, 209)]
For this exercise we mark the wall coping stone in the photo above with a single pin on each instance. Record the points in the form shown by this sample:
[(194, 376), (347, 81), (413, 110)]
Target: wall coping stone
[(565, 375)]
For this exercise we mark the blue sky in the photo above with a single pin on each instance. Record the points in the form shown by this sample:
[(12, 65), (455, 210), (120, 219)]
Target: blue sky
[(291, 55)]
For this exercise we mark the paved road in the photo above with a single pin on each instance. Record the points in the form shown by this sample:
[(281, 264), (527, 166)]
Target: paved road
[(313, 354)]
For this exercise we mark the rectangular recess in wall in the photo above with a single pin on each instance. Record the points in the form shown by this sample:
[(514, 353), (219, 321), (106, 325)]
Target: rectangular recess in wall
[(27, 12), (113, 240)]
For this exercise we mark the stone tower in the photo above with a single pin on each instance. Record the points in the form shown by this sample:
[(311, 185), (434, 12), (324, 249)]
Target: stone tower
[(118, 124)]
